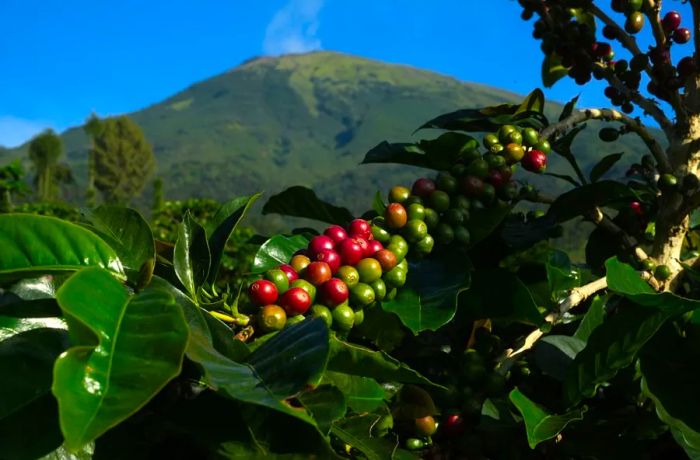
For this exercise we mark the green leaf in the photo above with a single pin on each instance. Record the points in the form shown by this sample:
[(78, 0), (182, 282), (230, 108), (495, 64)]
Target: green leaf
[(300, 201), (497, 293), (221, 227), (385, 330), (378, 204), (539, 425), (26, 364), (624, 280), (564, 177), (580, 200), (356, 431), (562, 276), (555, 353), (400, 153), (362, 394), (126, 348), (31, 432), (326, 403), (191, 257), (611, 346), (34, 245), (604, 166), (429, 299), (562, 147), (10, 325), (672, 382), (127, 232), (353, 359), (294, 357), (483, 222), (568, 108), (552, 70), (276, 251), (534, 102), (486, 119), (593, 318)]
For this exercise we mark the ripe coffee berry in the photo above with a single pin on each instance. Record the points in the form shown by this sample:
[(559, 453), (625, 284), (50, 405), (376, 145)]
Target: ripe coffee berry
[(330, 257), (350, 251), (425, 426), (364, 244), (319, 243), (423, 187), (336, 233), (395, 215), (534, 161), (291, 273), (671, 21), (373, 246), (318, 273), (681, 35), (334, 292), (263, 292), (299, 262), (360, 227), (636, 207), (387, 259), (296, 301)]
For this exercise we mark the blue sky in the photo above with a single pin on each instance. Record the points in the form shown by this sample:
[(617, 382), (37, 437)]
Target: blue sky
[(61, 60)]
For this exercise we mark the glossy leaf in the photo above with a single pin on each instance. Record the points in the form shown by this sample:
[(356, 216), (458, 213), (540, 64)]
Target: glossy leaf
[(521, 234), (356, 431), (222, 225), (385, 330), (611, 346), (562, 147), (624, 280), (429, 299), (497, 293), (483, 222), (581, 200), (552, 70), (276, 251), (326, 404), (593, 318), (353, 359), (362, 394), (191, 257), (294, 357), (26, 363), (555, 353), (10, 325), (562, 276), (540, 425), (33, 245), (127, 232), (300, 201), (534, 102), (672, 382), (486, 119), (568, 108), (564, 177), (378, 204), (399, 153), (604, 166), (126, 348)]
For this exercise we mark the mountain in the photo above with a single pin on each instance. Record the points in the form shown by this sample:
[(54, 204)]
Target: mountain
[(305, 119)]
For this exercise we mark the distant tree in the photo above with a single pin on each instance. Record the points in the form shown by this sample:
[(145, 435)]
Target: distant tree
[(92, 127), (122, 159), (11, 182), (158, 197), (44, 151)]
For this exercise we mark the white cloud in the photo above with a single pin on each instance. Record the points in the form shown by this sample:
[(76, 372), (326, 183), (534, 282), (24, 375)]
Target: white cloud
[(293, 28), (15, 131)]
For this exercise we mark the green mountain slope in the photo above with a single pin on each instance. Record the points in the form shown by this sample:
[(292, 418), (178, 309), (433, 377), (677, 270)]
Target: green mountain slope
[(302, 119)]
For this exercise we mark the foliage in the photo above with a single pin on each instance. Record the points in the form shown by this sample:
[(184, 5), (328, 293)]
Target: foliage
[(455, 323), (121, 157), (44, 151)]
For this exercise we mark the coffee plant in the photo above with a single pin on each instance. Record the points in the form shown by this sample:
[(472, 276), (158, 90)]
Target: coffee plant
[(443, 323)]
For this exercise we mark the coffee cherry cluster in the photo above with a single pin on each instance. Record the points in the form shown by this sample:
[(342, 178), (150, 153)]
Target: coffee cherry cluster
[(340, 273), (511, 145)]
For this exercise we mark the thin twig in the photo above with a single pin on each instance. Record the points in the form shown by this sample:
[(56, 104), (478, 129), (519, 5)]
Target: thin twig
[(598, 217), (632, 124)]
